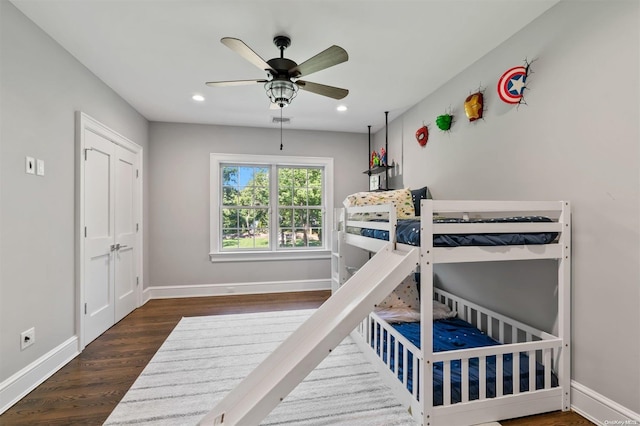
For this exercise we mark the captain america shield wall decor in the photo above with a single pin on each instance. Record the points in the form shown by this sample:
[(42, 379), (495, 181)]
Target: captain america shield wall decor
[(512, 84)]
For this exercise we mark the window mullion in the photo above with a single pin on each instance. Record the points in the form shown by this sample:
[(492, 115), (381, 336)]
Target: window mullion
[(273, 207)]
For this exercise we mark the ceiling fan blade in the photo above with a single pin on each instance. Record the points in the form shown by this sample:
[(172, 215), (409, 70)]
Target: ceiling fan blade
[(246, 52), (334, 55), (233, 83), (321, 89)]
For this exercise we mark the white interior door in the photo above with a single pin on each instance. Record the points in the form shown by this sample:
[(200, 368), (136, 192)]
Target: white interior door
[(99, 313), (111, 254), (125, 261)]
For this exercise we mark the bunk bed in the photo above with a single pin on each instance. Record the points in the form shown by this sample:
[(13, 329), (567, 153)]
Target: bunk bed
[(486, 376)]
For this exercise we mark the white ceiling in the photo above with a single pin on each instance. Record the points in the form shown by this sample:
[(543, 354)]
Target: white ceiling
[(157, 54)]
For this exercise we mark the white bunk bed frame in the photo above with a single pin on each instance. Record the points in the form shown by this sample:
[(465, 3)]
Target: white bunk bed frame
[(551, 351)]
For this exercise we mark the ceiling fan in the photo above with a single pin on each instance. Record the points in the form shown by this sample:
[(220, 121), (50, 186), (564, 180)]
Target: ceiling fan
[(283, 74)]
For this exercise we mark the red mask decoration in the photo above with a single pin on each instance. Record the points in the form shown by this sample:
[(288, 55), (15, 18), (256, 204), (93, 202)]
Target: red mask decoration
[(422, 135)]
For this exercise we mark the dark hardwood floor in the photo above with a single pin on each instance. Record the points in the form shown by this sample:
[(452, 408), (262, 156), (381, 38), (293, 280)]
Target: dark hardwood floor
[(85, 391)]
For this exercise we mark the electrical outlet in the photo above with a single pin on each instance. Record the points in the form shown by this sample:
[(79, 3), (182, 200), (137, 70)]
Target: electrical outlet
[(27, 338), (30, 165)]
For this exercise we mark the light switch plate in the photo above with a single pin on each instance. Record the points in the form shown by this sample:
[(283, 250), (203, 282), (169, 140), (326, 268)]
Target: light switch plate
[(40, 167), (30, 165)]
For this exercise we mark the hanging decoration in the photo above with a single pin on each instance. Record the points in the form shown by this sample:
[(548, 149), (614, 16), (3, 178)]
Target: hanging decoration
[(473, 106), (422, 135), (444, 122), (513, 82)]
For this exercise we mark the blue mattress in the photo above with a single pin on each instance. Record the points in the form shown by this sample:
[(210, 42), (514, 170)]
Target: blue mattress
[(452, 334), (408, 232)]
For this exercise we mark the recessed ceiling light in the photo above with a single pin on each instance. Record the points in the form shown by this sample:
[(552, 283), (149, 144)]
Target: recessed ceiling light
[(341, 108), (198, 98)]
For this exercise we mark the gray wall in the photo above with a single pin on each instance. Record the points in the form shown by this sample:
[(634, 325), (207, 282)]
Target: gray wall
[(41, 87), (577, 140), (179, 194)]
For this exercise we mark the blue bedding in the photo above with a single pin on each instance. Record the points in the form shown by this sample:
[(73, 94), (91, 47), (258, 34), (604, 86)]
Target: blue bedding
[(452, 334), (408, 232)]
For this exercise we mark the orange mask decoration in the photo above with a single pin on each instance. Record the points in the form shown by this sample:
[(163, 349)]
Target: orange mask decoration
[(422, 135), (473, 106)]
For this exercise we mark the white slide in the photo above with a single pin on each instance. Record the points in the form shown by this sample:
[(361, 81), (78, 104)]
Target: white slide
[(263, 389)]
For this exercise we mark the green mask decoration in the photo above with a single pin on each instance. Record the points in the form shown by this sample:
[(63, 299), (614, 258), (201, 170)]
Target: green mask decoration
[(444, 122)]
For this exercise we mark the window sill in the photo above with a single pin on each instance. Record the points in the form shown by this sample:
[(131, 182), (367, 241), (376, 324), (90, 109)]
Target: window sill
[(255, 256)]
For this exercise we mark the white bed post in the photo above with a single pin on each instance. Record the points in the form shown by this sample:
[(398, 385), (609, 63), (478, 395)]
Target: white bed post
[(564, 306), (426, 309)]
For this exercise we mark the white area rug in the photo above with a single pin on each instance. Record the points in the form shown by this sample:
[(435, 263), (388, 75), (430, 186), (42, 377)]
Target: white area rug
[(205, 357)]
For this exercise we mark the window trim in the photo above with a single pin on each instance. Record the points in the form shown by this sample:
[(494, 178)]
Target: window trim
[(275, 253)]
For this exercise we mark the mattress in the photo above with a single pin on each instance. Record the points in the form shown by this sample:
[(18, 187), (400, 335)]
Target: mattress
[(408, 232), (453, 334)]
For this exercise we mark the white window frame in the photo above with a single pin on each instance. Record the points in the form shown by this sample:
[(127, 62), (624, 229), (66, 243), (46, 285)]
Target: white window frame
[(216, 254)]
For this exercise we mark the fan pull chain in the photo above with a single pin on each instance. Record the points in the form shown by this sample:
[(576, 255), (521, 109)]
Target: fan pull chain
[(280, 128)]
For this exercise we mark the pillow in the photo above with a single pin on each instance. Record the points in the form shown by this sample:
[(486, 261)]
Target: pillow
[(417, 195), (442, 311), (400, 198), (403, 304), (397, 315), (404, 296)]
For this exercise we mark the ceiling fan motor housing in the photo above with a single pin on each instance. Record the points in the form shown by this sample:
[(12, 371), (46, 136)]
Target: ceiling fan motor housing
[(281, 66)]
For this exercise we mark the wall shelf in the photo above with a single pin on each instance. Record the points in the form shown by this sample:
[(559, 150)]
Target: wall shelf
[(377, 169)]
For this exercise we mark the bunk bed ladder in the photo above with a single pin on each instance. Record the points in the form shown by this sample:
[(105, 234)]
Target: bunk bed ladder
[(263, 389)]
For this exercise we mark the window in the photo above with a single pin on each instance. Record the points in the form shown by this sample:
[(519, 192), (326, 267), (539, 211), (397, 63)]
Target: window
[(270, 207)]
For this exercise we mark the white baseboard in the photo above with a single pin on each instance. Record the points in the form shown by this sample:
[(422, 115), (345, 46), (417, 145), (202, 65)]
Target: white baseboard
[(200, 290), (24, 381), (600, 409)]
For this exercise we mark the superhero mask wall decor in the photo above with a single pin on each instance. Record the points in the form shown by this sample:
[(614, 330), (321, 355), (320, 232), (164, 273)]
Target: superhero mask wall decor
[(422, 135), (444, 122), (512, 84), (473, 106)]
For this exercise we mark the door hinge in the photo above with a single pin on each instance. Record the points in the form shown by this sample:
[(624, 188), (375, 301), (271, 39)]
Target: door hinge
[(85, 232), (137, 173), (137, 227), (85, 309), (137, 280)]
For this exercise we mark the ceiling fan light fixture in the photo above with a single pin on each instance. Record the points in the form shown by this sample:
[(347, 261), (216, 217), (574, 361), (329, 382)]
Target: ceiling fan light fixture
[(281, 92)]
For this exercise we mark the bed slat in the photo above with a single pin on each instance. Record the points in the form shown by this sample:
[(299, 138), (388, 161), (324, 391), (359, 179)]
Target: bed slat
[(532, 370), (464, 379), (515, 372), (446, 382), (482, 373), (499, 376), (547, 368)]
